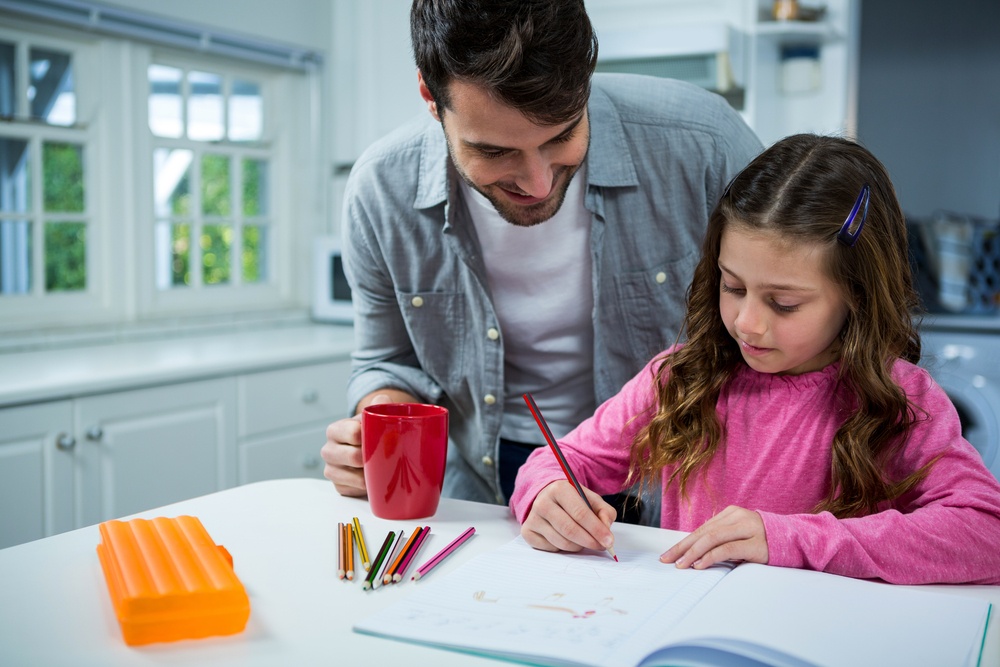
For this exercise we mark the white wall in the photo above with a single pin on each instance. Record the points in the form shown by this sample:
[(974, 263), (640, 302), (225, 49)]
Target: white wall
[(929, 101)]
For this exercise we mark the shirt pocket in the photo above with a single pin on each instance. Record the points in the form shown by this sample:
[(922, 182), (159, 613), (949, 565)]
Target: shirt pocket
[(435, 322), (652, 304)]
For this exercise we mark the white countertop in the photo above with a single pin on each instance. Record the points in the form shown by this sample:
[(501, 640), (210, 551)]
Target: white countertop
[(43, 375)]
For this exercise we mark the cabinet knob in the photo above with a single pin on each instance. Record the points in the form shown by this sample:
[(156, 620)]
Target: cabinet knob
[(65, 442), (94, 433), (310, 462), (310, 396)]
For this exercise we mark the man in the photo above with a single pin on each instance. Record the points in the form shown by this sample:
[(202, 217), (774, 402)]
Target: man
[(535, 233)]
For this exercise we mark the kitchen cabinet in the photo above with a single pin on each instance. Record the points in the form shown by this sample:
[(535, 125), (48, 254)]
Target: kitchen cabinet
[(72, 463), (150, 447), (101, 432), (37, 448), (283, 419)]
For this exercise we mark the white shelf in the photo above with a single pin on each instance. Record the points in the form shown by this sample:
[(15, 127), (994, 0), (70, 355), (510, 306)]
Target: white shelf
[(798, 31)]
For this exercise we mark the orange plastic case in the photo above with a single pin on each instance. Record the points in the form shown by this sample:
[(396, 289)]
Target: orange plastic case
[(168, 580)]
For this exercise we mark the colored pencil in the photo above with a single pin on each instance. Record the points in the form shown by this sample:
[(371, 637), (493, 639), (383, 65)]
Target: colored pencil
[(362, 547), (543, 425), (341, 561), (349, 534), (444, 553), (400, 572), (386, 575), (382, 553), (390, 573)]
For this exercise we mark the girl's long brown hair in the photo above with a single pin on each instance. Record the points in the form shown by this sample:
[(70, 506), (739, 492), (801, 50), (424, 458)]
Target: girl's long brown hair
[(803, 188)]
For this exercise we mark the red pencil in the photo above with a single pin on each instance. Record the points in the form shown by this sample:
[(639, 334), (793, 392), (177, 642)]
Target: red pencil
[(410, 555), (543, 425), (444, 553)]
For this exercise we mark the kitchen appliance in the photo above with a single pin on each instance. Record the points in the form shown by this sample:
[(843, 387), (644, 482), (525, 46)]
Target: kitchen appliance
[(966, 363), (331, 297)]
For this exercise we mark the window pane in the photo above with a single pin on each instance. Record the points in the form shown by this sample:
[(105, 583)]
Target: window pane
[(8, 83), (216, 244), (166, 105), (65, 256), (255, 188), (171, 182), (215, 185), (15, 183), (246, 111), (254, 254), (205, 107), (62, 176), (51, 91), (173, 255), (15, 257)]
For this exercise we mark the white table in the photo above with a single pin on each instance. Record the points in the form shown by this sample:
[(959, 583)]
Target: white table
[(55, 609)]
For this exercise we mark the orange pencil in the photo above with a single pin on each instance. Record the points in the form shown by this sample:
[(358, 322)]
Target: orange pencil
[(402, 554), (396, 550)]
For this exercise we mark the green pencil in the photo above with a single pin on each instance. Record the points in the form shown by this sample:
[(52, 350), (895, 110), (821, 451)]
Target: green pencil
[(382, 553)]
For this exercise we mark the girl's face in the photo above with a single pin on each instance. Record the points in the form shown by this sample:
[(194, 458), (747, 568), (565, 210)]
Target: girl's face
[(778, 303)]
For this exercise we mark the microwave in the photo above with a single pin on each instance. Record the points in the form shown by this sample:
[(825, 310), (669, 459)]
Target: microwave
[(331, 294)]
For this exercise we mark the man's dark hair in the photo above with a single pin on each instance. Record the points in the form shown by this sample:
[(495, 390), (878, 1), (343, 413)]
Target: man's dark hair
[(536, 56)]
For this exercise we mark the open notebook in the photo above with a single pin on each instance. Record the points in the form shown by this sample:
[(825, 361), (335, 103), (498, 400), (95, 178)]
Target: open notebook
[(530, 606)]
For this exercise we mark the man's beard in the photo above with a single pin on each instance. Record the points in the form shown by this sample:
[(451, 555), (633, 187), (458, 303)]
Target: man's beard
[(522, 216)]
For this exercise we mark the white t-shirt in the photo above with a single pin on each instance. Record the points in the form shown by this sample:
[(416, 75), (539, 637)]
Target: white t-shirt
[(541, 281)]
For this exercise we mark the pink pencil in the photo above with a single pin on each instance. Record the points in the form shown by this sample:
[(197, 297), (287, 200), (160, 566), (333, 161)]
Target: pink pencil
[(444, 553), (401, 570)]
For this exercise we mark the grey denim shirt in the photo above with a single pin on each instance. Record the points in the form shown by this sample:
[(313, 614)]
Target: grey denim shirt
[(661, 153)]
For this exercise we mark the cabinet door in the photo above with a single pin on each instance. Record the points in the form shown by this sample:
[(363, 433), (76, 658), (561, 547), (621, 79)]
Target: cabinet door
[(146, 448), (36, 471), (291, 454)]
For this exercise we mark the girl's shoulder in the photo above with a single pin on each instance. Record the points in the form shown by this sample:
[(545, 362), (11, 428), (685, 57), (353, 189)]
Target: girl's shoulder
[(917, 382)]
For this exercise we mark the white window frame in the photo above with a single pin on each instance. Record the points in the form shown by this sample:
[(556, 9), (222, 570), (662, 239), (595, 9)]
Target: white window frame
[(281, 120), (92, 304), (111, 95)]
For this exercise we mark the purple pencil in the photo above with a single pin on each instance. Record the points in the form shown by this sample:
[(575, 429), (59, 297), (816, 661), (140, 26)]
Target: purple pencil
[(444, 553), (401, 570)]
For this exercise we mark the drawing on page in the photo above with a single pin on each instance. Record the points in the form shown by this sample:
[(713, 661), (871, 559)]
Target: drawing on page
[(576, 606)]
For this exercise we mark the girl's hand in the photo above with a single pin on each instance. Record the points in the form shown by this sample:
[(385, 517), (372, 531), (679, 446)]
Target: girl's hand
[(735, 534), (559, 520)]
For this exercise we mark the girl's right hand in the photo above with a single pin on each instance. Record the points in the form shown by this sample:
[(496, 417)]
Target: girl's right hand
[(559, 520)]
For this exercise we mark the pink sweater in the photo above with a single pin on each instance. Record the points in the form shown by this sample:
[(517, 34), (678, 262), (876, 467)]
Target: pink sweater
[(775, 459)]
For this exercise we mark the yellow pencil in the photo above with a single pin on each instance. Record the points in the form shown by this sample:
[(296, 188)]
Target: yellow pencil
[(362, 547)]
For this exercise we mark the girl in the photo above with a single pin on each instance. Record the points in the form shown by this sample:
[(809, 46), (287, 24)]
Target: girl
[(793, 427)]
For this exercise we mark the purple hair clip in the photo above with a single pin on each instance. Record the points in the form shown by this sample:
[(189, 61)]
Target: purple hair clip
[(845, 235)]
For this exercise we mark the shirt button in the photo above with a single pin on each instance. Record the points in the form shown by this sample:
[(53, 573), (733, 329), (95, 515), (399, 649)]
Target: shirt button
[(489, 399), (417, 301), (492, 333), (661, 277), (487, 461)]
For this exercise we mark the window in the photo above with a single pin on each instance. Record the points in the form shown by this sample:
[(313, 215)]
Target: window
[(210, 179), (143, 182), (44, 217)]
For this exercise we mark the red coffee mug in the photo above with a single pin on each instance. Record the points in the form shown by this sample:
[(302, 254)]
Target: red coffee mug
[(405, 447)]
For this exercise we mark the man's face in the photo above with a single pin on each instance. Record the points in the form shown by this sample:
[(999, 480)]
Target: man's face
[(522, 168)]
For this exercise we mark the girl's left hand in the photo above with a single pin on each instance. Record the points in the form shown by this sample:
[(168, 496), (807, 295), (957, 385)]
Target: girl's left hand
[(735, 534)]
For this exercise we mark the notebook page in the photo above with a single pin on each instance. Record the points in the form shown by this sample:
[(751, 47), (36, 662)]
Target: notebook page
[(550, 608)]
